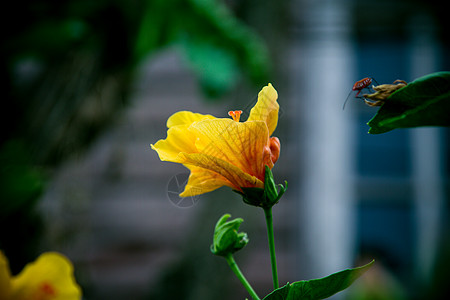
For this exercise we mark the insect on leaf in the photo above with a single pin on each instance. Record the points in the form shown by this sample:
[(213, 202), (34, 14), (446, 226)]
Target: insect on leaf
[(423, 102)]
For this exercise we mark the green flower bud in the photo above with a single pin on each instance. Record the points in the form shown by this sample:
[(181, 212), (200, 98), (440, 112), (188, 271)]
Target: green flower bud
[(227, 239), (267, 197)]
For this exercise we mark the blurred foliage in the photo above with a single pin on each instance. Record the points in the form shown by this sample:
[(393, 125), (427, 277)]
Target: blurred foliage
[(20, 186), (19, 182), (218, 46), (66, 68), (423, 102)]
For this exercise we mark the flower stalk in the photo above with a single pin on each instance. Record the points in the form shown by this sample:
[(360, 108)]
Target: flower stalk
[(271, 238), (266, 198), (235, 268)]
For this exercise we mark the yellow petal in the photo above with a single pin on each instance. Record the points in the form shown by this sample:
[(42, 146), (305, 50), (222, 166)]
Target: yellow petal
[(186, 118), (5, 278), (179, 139), (203, 181), (233, 174), (50, 277), (240, 144), (266, 109)]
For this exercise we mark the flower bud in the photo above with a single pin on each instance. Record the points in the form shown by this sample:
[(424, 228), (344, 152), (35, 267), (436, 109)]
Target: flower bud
[(227, 239)]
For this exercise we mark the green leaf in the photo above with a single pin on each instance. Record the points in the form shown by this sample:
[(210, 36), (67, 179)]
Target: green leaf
[(423, 102), (316, 289)]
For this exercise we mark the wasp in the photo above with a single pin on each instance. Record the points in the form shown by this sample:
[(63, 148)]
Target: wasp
[(359, 86)]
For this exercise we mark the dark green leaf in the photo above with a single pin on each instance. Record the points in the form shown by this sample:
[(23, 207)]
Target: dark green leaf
[(423, 102), (316, 289), (281, 293)]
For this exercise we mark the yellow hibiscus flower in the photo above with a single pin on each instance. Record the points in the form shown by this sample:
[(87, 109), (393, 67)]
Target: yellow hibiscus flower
[(50, 277), (223, 151)]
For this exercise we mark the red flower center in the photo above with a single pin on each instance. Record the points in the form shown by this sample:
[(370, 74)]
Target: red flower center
[(46, 291)]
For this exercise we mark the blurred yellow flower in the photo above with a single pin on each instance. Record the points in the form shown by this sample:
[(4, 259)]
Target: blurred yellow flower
[(50, 277), (223, 151)]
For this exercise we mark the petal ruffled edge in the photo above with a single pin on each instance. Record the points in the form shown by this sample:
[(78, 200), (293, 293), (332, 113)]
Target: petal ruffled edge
[(186, 118), (179, 139), (267, 107)]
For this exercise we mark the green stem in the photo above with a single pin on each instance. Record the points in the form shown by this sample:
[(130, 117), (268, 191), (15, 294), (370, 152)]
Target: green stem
[(273, 259), (232, 263)]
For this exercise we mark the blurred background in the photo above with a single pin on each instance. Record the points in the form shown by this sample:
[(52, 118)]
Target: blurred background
[(89, 85)]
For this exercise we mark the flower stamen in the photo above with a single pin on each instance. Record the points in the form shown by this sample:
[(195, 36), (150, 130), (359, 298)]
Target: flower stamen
[(235, 114)]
